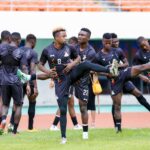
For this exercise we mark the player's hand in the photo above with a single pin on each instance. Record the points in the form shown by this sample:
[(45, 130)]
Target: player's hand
[(145, 79), (28, 90), (52, 73), (68, 67), (109, 75)]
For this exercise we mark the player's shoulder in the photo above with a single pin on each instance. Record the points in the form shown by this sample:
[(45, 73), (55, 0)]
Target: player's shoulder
[(91, 48), (23, 49), (66, 45), (3, 46), (99, 53), (138, 53), (49, 47), (34, 51), (118, 50), (20, 50)]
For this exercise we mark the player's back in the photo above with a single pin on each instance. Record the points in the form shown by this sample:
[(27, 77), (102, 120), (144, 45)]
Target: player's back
[(10, 57), (31, 56)]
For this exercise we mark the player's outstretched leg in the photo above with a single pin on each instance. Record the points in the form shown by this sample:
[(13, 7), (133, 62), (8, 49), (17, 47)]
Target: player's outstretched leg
[(78, 72)]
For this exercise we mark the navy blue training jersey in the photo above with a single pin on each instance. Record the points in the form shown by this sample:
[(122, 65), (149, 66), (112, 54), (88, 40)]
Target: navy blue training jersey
[(142, 57), (88, 54), (31, 56), (11, 58), (58, 57), (1, 47), (106, 59)]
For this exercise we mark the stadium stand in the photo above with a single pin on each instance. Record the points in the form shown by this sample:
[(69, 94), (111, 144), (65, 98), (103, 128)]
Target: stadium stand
[(132, 5), (75, 5), (50, 5)]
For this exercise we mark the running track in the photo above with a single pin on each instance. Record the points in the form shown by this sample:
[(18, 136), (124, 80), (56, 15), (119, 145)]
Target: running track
[(103, 120)]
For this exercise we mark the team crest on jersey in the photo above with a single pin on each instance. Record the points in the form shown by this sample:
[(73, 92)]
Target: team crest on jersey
[(144, 57), (66, 54), (52, 55), (84, 57), (104, 59)]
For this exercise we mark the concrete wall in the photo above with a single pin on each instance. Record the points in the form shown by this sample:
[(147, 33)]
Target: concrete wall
[(125, 24)]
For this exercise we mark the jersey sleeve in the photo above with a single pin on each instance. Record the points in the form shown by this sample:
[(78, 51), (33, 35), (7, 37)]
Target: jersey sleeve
[(91, 55), (34, 58), (136, 60), (121, 54), (44, 57), (23, 60), (97, 59)]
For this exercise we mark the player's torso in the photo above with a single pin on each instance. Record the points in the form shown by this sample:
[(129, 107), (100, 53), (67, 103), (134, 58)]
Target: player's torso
[(144, 57), (58, 57), (29, 54), (10, 57), (86, 53), (107, 58)]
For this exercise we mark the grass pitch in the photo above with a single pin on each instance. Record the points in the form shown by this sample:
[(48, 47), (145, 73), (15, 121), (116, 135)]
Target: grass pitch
[(99, 139)]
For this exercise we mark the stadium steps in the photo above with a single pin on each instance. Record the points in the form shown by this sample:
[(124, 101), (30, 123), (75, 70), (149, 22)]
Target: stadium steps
[(50, 5)]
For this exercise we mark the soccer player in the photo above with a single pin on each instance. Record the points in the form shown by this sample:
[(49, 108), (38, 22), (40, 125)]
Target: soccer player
[(12, 58), (59, 55), (5, 39), (72, 41), (87, 53), (105, 57), (129, 87), (142, 56), (32, 60)]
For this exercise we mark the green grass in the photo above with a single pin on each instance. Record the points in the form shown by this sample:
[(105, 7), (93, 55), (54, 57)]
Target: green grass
[(99, 139)]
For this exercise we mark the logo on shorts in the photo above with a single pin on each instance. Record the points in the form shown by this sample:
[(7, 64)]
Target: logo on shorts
[(112, 93)]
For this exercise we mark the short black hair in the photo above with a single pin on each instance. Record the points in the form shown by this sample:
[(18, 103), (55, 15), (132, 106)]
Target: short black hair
[(139, 40), (31, 37), (73, 38), (5, 35), (56, 30), (15, 36), (107, 36), (86, 30), (114, 35)]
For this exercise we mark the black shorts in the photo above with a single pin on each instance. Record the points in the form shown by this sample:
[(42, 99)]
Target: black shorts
[(82, 91), (12, 91), (62, 87), (91, 99), (117, 84), (128, 87)]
